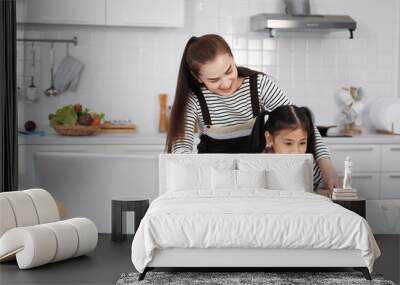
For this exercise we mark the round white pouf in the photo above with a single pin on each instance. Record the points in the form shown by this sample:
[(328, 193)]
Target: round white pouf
[(87, 232), (52, 242), (45, 205), (6, 215)]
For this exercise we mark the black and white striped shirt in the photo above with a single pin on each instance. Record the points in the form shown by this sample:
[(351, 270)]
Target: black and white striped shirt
[(317, 177), (236, 109)]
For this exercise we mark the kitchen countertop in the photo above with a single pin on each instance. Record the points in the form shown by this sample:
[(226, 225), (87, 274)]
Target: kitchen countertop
[(99, 139), (159, 139)]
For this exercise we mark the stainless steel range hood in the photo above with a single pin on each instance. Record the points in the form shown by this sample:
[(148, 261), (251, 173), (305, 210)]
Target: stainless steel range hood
[(302, 22)]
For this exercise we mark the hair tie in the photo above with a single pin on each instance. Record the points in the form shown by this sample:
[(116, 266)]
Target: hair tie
[(192, 39), (264, 112)]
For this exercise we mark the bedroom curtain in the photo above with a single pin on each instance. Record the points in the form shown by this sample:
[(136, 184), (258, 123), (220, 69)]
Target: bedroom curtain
[(8, 101)]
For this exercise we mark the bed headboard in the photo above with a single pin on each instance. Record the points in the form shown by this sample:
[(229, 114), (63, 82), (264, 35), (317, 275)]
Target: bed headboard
[(164, 160)]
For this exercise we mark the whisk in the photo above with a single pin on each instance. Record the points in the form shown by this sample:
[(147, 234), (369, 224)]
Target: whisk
[(51, 91)]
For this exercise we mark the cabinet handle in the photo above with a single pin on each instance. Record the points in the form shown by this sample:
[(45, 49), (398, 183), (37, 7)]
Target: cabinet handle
[(394, 176), (395, 149), (354, 149), (65, 151), (147, 151), (359, 176), (66, 21), (156, 24), (362, 176)]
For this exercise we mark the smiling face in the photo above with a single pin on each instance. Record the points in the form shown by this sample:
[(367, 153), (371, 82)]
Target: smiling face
[(220, 75), (292, 141)]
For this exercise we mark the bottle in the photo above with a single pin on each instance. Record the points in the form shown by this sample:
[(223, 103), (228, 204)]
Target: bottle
[(163, 120)]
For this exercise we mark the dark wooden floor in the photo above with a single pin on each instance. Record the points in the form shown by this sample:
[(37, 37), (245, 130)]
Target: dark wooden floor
[(110, 260), (102, 266)]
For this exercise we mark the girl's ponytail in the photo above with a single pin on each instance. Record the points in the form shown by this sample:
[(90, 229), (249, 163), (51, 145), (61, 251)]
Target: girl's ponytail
[(257, 140), (310, 129)]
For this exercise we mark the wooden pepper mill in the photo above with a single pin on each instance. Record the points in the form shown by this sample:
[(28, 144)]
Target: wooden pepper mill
[(163, 121)]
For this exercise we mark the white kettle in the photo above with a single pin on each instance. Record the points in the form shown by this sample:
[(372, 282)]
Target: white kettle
[(385, 115)]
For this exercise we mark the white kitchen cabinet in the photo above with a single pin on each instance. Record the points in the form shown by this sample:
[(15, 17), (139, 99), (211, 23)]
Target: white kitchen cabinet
[(144, 13), (376, 176), (391, 157), (26, 159), (86, 182), (84, 170), (384, 216), (78, 12), (367, 184), (150, 13), (365, 158), (390, 185)]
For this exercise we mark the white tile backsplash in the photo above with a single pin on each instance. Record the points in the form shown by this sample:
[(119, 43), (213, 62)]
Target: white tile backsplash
[(255, 44), (240, 42), (240, 57), (269, 58), (255, 57), (269, 44), (126, 68)]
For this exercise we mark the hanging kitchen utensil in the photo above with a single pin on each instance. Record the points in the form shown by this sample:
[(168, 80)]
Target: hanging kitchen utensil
[(68, 74), (51, 91), (31, 91)]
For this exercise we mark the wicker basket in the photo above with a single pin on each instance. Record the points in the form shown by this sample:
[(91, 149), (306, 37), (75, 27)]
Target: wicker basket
[(76, 130)]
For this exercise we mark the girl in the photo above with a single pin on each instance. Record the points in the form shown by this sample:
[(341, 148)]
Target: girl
[(289, 129), (225, 100)]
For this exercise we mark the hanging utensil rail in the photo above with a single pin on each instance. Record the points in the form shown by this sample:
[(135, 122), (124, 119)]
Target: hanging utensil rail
[(73, 41)]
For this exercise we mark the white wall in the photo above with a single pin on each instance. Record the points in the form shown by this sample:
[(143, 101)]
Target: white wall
[(125, 68)]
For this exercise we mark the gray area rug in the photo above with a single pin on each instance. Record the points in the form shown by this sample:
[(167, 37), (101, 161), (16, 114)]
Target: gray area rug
[(228, 278)]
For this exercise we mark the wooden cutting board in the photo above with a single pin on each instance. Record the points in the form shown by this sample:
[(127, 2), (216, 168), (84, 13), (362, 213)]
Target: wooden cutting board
[(109, 127)]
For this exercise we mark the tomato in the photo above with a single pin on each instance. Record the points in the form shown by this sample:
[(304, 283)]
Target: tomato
[(96, 121)]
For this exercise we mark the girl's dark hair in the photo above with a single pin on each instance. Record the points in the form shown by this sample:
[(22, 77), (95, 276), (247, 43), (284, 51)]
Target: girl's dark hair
[(282, 118), (198, 51)]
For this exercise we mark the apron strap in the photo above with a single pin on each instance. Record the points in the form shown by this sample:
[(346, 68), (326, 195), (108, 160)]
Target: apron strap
[(255, 104), (203, 106)]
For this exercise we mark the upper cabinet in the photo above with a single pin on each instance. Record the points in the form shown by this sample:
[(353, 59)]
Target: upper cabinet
[(150, 13), (144, 13), (75, 12)]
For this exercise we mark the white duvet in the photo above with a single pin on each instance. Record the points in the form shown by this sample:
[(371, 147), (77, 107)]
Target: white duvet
[(253, 218)]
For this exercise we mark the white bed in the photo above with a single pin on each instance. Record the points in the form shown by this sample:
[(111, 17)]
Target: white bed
[(250, 226)]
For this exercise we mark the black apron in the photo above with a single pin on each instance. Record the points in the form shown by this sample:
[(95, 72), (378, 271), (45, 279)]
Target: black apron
[(237, 144)]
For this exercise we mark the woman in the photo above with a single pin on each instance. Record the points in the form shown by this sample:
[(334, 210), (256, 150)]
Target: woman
[(289, 129), (225, 100)]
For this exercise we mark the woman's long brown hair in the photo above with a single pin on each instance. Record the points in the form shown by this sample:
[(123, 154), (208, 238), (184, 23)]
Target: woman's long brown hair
[(198, 51)]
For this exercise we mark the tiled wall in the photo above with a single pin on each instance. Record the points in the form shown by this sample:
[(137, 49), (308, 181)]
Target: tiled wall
[(125, 68)]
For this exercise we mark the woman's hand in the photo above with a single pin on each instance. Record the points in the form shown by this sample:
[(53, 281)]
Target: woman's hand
[(329, 176)]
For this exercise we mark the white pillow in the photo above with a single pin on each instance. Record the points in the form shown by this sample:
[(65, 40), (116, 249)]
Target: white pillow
[(182, 177), (290, 178), (290, 174), (251, 178), (224, 179), (185, 174)]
